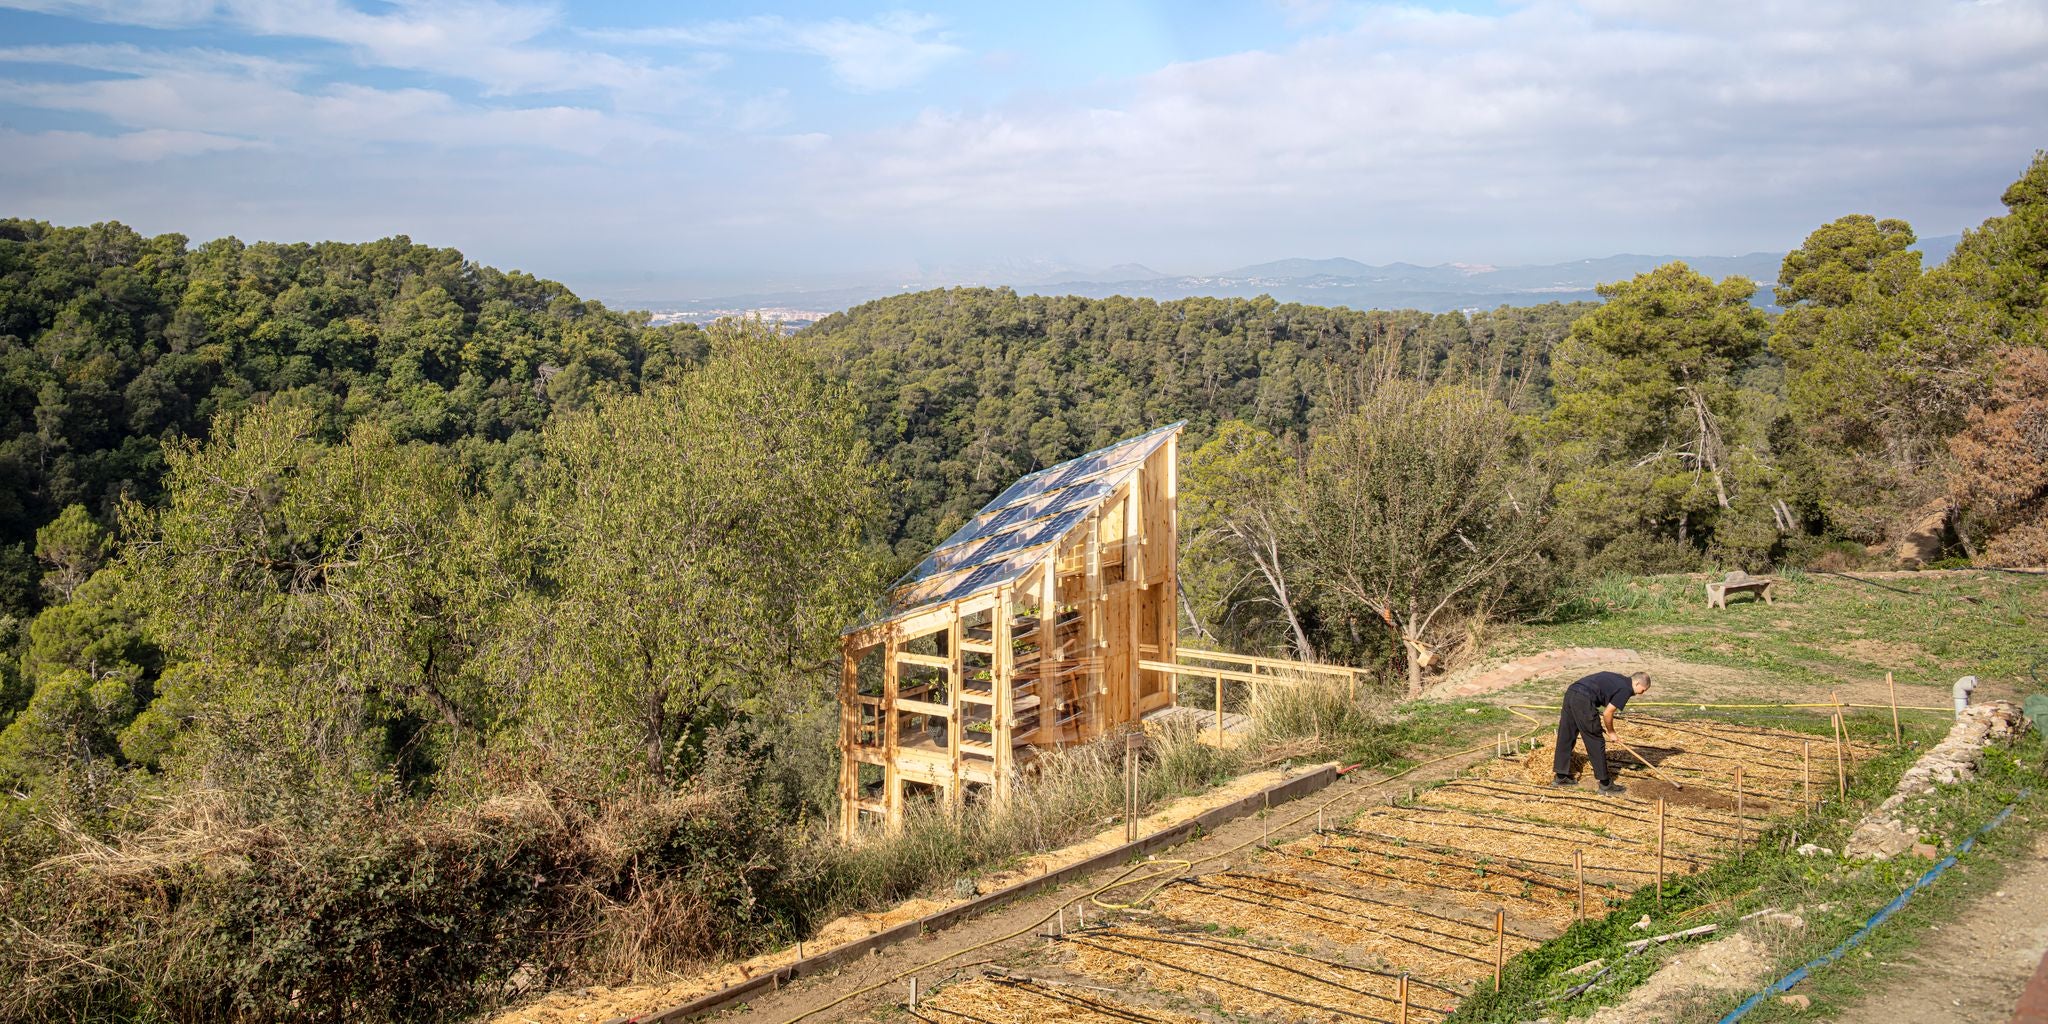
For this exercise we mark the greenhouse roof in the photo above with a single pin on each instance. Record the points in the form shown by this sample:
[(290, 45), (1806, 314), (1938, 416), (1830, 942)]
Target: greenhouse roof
[(1013, 532)]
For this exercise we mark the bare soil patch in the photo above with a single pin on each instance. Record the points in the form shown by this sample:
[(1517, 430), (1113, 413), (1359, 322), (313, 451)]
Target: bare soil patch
[(1677, 680), (1970, 969), (1692, 981)]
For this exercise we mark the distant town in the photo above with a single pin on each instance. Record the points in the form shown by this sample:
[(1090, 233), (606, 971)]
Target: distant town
[(791, 320)]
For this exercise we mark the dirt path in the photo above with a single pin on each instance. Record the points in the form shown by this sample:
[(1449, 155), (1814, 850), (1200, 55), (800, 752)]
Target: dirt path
[(1675, 680), (1970, 969)]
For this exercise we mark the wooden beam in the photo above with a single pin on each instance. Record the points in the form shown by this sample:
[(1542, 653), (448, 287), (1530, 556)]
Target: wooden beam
[(1002, 684), (1278, 664), (1206, 672), (926, 660), (849, 739), (892, 783), (923, 707), (1092, 631), (1168, 546), (1048, 647)]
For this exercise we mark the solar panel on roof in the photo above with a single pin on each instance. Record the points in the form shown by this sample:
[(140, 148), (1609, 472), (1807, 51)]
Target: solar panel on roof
[(1134, 449), (1002, 541)]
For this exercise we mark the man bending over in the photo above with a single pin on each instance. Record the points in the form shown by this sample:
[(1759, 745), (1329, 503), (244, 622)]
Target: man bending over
[(1589, 709)]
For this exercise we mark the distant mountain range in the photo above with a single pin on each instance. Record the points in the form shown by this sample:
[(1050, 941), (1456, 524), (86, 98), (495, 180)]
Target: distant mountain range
[(1322, 282)]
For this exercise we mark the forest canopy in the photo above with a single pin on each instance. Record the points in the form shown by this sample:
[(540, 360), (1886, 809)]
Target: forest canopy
[(333, 545)]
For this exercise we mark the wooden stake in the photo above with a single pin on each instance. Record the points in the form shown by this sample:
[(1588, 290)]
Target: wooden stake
[(1738, 811), (1219, 709), (1131, 790), (1898, 737), (1848, 749), (1660, 854), (1806, 772), (913, 993), (1402, 1018), (1579, 869), (1500, 945), (1841, 768)]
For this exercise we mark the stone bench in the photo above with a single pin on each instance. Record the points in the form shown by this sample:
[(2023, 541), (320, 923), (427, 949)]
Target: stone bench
[(1738, 582)]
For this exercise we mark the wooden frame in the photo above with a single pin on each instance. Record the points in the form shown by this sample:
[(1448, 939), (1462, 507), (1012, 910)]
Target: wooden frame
[(1052, 655)]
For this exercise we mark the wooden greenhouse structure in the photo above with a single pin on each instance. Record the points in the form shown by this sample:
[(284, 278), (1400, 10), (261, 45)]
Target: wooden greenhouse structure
[(1024, 630)]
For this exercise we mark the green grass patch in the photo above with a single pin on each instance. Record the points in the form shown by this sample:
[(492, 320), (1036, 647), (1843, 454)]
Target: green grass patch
[(1823, 629)]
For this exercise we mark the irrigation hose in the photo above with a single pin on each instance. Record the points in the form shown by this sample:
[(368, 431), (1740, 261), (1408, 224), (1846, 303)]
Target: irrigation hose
[(1215, 891), (1785, 983), (1435, 847), (1253, 988), (1531, 877), (1415, 911), (1051, 994)]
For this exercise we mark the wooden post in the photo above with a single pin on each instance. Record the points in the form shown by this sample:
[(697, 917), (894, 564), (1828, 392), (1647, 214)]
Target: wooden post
[(1806, 772), (1579, 869), (913, 993), (892, 727), (1402, 1017), (956, 720), (1500, 945), (1738, 811), (1842, 769), (1848, 749), (1002, 674), (1219, 709), (849, 741), (1131, 745), (1898, 736), (1660, 854)]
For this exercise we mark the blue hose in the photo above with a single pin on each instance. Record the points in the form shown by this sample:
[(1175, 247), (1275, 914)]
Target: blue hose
[(1785, 983)]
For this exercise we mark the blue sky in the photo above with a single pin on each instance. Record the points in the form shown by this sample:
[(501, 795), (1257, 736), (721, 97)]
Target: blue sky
[(697, 148)]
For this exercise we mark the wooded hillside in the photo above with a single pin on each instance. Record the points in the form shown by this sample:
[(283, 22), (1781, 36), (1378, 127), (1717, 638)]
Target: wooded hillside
[(477, 622)]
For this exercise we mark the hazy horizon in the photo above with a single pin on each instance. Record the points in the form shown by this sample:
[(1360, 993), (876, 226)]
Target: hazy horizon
[(634, 149)]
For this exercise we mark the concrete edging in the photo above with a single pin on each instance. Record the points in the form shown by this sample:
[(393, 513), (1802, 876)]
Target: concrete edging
[(1292, 789)]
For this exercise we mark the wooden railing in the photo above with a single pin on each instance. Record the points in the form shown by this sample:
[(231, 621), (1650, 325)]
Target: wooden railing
[(1253, 671)]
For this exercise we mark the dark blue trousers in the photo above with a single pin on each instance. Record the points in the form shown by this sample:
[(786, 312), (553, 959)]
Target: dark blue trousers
[(1580, 720)]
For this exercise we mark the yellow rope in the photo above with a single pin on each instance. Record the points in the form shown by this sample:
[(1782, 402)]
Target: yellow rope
[(1745, 707)]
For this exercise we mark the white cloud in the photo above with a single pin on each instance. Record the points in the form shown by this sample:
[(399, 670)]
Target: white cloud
[(149, 13), (1549, 130), (892, 51), (57, 149), (1550, 116), (491, 43), (190, 95)]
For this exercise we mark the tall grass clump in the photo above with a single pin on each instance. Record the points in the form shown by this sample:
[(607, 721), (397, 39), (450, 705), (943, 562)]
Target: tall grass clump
[(1316, 716), (1072, 793)]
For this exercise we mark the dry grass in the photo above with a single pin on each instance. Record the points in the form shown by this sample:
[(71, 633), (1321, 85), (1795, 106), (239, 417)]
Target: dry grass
[(1011, 999), (1246, 979)]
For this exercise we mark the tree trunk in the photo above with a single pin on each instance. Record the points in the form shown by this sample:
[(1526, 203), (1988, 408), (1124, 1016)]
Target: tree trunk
[(1414, 659), (654, 714), (1187, 608), (1265, 552)]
